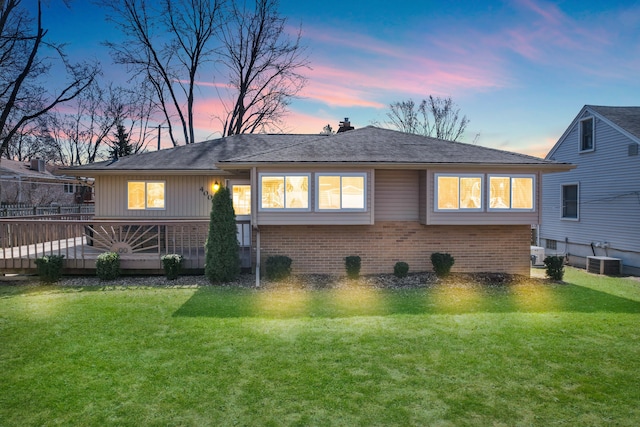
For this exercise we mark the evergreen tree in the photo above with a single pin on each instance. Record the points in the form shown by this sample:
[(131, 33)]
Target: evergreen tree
[(222, 255), (121, 146)]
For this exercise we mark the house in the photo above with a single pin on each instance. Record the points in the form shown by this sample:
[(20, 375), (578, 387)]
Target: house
[(384, 195), (594, 210), (35, 183)]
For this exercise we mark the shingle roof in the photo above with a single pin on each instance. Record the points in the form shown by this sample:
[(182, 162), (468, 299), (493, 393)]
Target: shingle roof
[(368, 145), (628, 118)]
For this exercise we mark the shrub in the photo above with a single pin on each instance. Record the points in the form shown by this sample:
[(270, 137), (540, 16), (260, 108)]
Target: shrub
[(222, 252), (172, 265), (108, 266), (442, 263), (352, 264), (278, 267), (554, 267), (401, 269), (49, 268)]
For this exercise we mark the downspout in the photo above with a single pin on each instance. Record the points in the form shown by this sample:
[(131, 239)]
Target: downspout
[(254, 219)]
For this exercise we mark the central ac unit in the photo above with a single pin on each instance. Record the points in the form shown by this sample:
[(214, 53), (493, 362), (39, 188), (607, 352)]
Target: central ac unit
[(604, 265)]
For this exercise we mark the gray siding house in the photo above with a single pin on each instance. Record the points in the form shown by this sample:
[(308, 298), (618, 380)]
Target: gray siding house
[(594, 210)]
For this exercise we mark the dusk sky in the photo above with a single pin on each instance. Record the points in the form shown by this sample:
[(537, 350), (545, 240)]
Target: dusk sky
[(520, 70)]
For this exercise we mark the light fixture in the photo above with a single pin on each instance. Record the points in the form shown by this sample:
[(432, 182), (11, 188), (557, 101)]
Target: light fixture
[(216, 186)]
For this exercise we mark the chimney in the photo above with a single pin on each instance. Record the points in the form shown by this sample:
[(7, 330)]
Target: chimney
[(37, 165), (345, 126)]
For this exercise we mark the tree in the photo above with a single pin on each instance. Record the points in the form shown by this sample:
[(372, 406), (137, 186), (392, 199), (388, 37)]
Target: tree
[(327, 130), (435, 117), (167, 45), (222, 256), (121, 146), (25, 67), (263, 65)]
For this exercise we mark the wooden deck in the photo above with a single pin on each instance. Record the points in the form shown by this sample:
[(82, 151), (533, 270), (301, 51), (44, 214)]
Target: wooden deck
[(141, 244)]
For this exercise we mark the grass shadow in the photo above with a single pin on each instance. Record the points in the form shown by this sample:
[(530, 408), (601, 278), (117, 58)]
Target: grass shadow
[(337, 303)]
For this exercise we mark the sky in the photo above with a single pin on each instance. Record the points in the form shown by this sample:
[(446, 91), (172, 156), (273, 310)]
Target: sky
[(519, 70)]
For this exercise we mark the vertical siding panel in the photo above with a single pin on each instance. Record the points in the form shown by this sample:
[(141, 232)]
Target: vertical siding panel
[(396, 195)]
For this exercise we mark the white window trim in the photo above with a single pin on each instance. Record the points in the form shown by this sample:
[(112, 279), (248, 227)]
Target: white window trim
[(147, 208), (341, 175), (283, 209), (459, 175), (568, 184), (511, 176), (593, 134)]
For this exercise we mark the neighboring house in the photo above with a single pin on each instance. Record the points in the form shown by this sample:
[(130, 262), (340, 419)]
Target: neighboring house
[(384, 195), (34, 183), (594, 210)]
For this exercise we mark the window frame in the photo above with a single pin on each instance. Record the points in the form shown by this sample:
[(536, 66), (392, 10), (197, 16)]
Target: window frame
[(459, 176), (261, 208), (511, 178), (146, 190), (562, 201), (69, 188), (582, 135), (341, 175)]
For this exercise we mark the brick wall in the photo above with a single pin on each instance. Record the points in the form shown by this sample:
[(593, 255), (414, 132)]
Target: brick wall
[(321, 249)]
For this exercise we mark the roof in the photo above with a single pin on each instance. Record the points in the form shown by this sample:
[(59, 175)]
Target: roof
[(367, 146), (625, 120), (20, 170)]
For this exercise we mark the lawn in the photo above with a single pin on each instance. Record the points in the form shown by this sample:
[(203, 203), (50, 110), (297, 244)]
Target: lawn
[(523, 355)]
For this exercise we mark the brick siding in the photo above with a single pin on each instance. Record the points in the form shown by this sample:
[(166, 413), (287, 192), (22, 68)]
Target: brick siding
[(322, 249)]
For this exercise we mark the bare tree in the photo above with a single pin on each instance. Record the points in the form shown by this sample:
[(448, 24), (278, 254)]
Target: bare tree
[(263, 65), (435, 117), (24, 67), (167, 42)]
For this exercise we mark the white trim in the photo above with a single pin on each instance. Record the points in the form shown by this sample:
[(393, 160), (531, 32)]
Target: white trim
[(341, 175), (459, 208), (562, 217), (284, 208)]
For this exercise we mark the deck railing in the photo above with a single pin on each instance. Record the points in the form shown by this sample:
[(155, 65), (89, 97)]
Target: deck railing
[(19, 210), (141, 244)]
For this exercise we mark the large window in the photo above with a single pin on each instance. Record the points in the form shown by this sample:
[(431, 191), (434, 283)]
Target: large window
[(284, 192), (511, 192), (458, 192), (341, 191), (145, 195), (586, 134), (570, 201)]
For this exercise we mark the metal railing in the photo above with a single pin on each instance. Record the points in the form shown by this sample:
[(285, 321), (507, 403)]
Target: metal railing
[(10, 211)]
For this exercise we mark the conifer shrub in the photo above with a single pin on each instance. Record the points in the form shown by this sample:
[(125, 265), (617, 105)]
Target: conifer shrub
[(278, 267), (222, 251), (554, 267), (442, 263), (172, 265), (401, 269), (49, 268), (352, 265), (108, 266)]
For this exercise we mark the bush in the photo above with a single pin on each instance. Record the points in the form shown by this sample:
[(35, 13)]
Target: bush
[(352, 264), (49, 268), (401, 269), (222, 252), (172, 265), (278, 267), (108, 266), (442, 263), (554, 267)]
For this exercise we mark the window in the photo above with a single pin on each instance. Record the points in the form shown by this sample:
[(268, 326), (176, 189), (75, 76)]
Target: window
[(341, 192), (145, 195), (511, 192), (551, 244), (586, 134), (284, 192), (455, 192), (68, 188), (570, 201), (241, 194)]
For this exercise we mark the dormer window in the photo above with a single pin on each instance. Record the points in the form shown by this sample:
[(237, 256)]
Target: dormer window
[(586, 134)]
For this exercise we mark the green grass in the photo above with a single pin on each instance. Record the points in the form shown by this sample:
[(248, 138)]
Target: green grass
[(541, 355)]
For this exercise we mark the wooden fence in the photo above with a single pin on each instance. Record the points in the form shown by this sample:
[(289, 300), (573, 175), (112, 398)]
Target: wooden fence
[(9, 211), (140, 244)]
